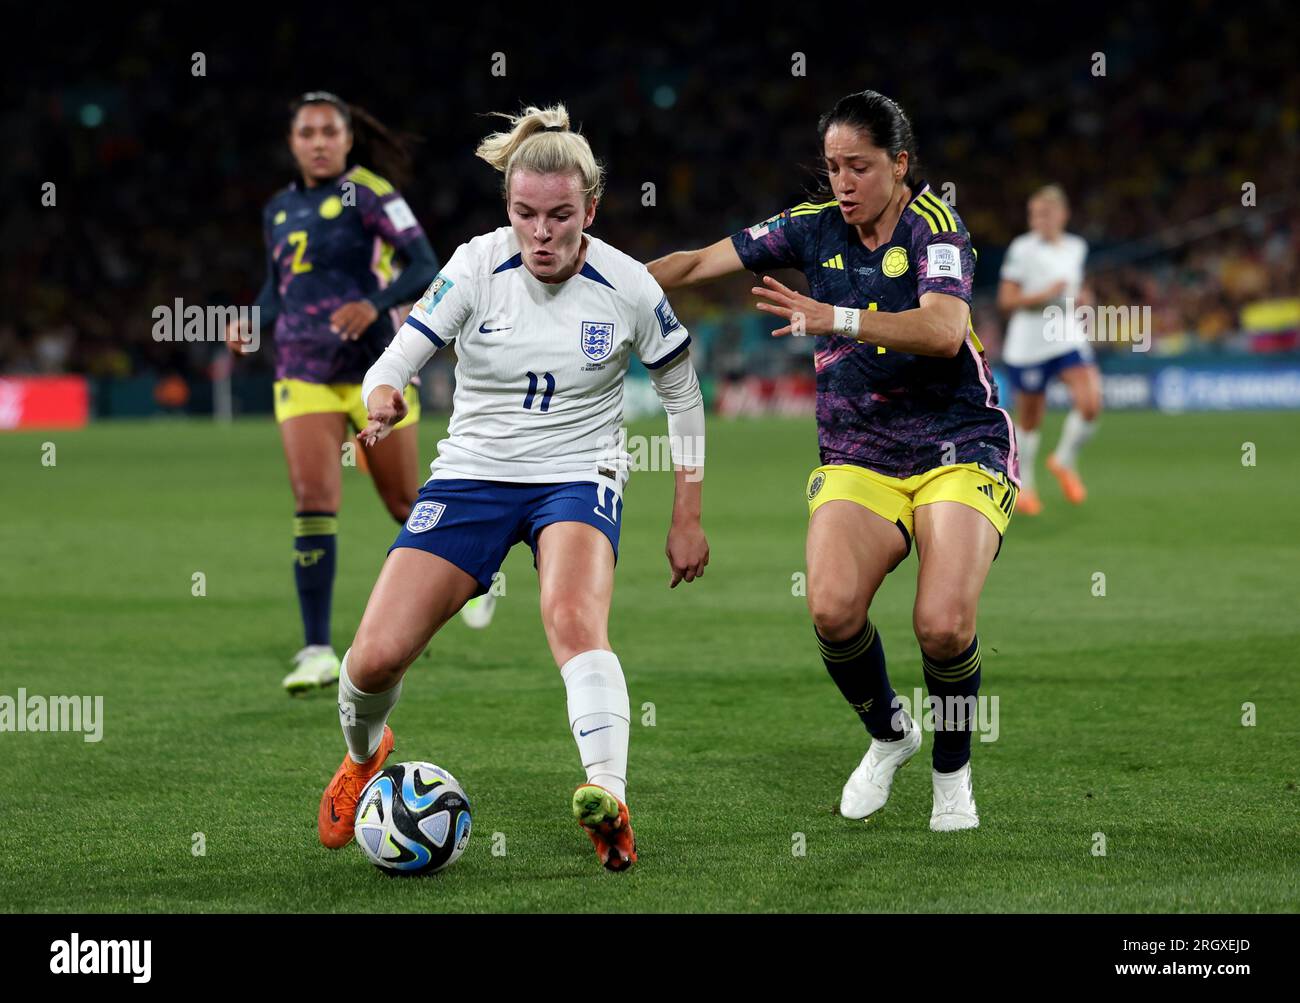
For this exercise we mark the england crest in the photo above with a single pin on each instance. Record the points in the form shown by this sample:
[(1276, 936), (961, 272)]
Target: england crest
[(597, 340), (424, 516)]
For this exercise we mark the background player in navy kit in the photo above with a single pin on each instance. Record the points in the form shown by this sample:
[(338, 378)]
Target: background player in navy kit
[(331, 237), (912, 441)]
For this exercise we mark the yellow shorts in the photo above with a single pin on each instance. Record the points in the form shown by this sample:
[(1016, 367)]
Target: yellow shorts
[(896, 498), (298, 397)]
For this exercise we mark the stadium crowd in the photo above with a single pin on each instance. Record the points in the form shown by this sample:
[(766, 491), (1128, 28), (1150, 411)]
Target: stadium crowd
[(159, 175)]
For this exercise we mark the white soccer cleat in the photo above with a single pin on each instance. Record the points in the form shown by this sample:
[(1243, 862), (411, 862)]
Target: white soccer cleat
[(314, 666), (954, 802), (477, 613), (868, 786)]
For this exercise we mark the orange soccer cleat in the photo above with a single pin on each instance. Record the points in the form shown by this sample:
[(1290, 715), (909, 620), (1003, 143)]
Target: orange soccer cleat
[(338, 805), (606, 820), (1071, 486), (1028, 503)]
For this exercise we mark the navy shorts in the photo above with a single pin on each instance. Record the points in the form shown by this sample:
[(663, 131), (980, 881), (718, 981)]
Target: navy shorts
[(473, 524), (1034, 379)]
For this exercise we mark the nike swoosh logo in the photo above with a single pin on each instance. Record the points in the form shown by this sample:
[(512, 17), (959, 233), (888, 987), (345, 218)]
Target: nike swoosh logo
[(584, 734), (484, 329), (333, 817)]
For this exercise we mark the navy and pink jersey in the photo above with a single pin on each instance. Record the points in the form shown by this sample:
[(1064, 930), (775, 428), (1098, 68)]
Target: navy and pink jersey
[(330, 245), (892, 412)]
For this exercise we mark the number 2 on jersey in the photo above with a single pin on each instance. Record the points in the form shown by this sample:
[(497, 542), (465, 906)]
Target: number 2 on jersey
[(298, 241), (532, 391)]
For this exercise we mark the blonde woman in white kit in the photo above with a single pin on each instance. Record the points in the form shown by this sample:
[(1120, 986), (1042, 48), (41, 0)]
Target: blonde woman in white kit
[(1044, 269), (546, 320)]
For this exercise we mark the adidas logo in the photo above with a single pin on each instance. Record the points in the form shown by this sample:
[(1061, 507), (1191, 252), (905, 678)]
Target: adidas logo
[(835, 262)]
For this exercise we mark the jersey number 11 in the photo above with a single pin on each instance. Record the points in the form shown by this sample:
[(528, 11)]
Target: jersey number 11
[(532, 391)]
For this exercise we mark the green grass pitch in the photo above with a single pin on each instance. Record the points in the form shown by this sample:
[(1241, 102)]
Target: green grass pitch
[(1120, 715)]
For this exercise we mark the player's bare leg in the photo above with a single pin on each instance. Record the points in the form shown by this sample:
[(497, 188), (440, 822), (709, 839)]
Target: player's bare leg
[(1084, 384), (575, 569), (955, 545), (394, 464), (312, 445), (850, 549), (417, 592), (1030, 409), (575, 572)]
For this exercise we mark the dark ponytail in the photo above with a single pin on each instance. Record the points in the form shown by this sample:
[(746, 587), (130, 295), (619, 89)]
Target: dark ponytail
[(374, 145), (878, 117)]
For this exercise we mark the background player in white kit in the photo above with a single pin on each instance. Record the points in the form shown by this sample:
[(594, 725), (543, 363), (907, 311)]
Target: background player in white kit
[(1044, 268), (545, 320)]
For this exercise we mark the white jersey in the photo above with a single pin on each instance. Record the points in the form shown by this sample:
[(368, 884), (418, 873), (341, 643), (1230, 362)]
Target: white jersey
[(1036, 264), (539, 366)]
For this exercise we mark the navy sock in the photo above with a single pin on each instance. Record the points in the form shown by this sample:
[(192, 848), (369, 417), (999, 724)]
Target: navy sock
[(315, 538), (858, 668), (954, 683)]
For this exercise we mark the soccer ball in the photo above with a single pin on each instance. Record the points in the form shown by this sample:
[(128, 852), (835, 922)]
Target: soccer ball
[(412, 818)]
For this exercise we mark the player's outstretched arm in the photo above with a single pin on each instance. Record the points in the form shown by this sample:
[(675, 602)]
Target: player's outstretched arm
[(678, 388), (687, 268), (937, 327)]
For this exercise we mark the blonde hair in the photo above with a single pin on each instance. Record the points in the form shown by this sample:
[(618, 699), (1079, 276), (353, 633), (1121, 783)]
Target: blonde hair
[(1051, 192), (539, 140)]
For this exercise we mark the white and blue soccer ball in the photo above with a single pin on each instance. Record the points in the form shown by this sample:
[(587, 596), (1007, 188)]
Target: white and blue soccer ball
[(412, 818)]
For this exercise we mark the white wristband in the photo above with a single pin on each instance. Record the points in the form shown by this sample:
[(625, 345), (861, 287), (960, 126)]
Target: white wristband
[(846, 321)]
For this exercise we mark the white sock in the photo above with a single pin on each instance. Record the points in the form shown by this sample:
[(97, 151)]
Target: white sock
[(599, 716), (363, 715), (1027, 443), (1075, 433)]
